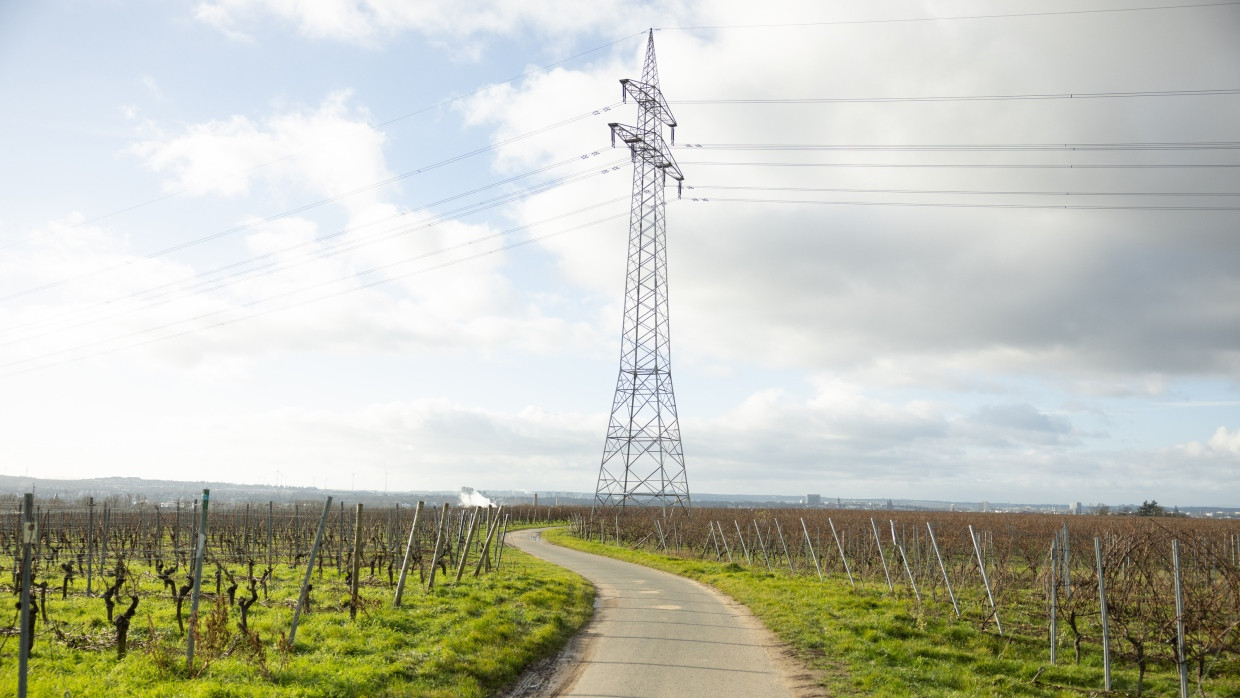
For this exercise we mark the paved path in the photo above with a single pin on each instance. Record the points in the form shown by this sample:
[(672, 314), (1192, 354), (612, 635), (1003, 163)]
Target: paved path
[(656, 634)]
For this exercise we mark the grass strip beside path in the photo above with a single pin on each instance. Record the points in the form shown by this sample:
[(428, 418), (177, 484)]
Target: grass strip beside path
[(467, 639), (871, 642)]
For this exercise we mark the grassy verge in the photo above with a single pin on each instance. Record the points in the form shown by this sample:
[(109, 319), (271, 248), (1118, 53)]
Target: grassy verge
[(467, 639), (870, 642)]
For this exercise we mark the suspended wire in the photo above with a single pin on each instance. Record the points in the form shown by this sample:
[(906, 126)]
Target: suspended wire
[(1048, 13), (960, 205), (980, 147), (312, 205), (210, 286), (169, 292), (303, 302), (944, 165), (402, 117), (960, 191), (962, 98)]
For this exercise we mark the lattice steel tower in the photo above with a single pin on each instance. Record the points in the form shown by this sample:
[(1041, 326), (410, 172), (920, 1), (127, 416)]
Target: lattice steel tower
[(642, 459)]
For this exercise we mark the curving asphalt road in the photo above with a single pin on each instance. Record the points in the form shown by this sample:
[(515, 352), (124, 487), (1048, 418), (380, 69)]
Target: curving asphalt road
[(656, 634)]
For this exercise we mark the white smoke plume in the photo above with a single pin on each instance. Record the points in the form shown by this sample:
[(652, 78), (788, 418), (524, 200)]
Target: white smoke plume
[(468, 497)]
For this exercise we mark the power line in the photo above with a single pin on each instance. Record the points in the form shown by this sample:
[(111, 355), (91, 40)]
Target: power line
[(438, 105), (295, 304), (959, 191), (168, 292), (960, 205), (314, 204), (945, 165), (962, 98), (250, 275), (983, 147), (1049, 13)]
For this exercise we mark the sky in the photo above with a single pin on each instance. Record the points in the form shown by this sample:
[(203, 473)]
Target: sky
[(952, 250)]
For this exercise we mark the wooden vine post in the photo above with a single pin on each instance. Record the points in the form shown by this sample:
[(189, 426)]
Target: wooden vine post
[(1054, 584), (305, 582), (357, 561), (193, 604), (485, 557), (29, 530), (469, 539), (270, 525), (404, 566), (441, 532), (90, 543), (499, 552)]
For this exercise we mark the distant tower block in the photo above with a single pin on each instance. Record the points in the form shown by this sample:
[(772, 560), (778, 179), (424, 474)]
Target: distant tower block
[(643, 463)]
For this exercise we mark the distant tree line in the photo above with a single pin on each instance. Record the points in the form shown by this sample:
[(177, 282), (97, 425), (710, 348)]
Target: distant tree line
[(1147, 508)]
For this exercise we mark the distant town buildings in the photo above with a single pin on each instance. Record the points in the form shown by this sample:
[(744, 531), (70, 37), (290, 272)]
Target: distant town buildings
[(813, 500)]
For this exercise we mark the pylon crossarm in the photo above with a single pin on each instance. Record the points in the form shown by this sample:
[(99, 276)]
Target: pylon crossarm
[(650, 97), (649, 146)]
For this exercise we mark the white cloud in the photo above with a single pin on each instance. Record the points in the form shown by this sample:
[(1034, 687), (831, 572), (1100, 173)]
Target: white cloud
[(1224, 444), (369, 285), (326, 151), (368, 21)]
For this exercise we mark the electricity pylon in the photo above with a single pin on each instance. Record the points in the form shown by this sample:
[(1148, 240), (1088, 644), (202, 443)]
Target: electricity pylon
[(643, 463)]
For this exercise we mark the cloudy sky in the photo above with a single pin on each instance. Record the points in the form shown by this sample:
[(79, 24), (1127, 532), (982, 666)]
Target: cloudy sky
[(940, 249)]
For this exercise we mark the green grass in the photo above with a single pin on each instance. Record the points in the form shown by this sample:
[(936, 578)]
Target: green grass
[(470, 639), (869, 641)]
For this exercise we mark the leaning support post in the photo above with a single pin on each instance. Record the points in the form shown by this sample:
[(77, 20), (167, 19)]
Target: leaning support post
[(1102, 606), (904, 559), (193, 604), (985, 580), (503, 536), (485, 556), (440, 533), (744, 548), (724, 538), (840, 545), (305, 582), (469, 539), (881, 556), (758, 533), (812, 556), (29, 529), (792, 568), (943, 568), (404, 566)]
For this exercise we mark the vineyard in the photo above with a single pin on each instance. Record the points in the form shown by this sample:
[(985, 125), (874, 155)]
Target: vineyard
[(315, 598), (320, 598), (1144, 598)]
